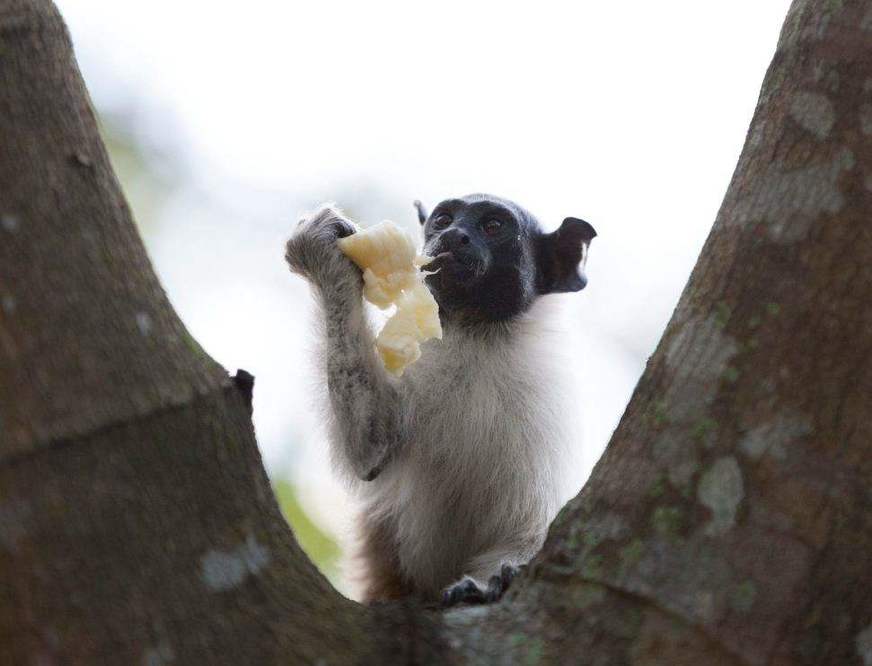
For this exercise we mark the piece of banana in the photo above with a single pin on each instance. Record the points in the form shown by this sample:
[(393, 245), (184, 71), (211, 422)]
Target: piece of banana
[(391, 276)]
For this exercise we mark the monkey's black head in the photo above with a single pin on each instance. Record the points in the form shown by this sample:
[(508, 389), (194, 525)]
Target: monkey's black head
[(493, 259)]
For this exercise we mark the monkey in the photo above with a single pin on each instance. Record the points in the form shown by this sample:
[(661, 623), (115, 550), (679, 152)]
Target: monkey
[(457, 463)]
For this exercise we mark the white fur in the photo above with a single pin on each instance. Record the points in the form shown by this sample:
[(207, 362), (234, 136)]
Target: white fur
[(476, 484)]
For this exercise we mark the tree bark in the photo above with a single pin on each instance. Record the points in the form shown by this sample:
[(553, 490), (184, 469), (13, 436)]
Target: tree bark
[(727, 522)]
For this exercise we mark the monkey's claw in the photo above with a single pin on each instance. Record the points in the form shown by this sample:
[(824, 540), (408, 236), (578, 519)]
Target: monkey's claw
[(468, 591)]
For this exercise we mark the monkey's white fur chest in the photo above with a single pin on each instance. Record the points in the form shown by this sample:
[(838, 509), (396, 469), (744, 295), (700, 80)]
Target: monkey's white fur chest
[(478, 479)]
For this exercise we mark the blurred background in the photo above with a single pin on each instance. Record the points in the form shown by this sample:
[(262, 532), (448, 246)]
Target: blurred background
[(226, 121)]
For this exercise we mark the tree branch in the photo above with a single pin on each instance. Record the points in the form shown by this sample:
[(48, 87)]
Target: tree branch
[(87, 336), (726, 523)]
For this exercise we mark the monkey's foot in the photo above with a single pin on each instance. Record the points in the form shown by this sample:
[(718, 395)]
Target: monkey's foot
[(469, 591)]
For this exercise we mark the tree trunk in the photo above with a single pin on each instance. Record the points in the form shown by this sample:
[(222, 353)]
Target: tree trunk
[(727, 522)]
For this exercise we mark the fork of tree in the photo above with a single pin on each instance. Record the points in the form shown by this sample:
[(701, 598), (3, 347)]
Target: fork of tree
[(729, 520)]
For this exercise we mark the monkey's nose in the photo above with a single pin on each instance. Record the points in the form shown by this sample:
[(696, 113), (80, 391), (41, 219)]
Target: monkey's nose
[(453, 239)]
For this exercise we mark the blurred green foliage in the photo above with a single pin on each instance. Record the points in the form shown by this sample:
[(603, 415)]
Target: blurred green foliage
[(320, 547), (145, 174)]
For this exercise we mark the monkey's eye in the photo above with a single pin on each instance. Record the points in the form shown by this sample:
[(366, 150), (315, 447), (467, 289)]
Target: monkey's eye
[(442, 220), (491, 226)]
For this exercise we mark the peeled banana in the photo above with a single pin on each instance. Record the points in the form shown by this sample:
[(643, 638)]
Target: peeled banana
[(391, 276)]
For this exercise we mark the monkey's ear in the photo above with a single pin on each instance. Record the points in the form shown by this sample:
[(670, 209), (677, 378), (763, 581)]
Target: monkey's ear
[(562, 257), (422, 212)]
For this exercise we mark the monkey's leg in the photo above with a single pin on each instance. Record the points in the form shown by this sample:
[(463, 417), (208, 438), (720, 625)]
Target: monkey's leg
[(378, 552)]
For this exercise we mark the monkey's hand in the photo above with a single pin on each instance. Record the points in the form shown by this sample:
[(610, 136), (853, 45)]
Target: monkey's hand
[(470, 591), (313, 253)]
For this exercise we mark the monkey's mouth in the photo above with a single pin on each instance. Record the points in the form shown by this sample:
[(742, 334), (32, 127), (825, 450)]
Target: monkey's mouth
[(453, 268), (438, 262)]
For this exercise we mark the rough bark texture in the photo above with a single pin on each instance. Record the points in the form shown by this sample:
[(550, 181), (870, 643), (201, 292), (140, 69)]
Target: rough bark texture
[(728, 521), (136, 522)]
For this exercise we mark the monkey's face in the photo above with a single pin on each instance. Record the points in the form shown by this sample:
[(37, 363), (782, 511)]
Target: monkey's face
[(492, 259)]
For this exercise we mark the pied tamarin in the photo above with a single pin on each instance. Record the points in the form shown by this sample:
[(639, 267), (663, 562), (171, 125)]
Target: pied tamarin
[(458, 463)]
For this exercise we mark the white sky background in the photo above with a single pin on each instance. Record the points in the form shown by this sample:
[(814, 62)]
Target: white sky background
[(630, 115)]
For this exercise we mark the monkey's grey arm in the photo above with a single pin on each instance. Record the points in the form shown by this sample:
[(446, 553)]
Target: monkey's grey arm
[(365, 404)]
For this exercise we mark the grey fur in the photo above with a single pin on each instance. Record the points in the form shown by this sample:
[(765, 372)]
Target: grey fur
[(464, 451), (364, 402)]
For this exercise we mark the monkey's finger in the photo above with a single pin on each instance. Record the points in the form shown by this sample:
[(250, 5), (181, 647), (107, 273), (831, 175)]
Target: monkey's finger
[(495, 589), (508, 573)]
